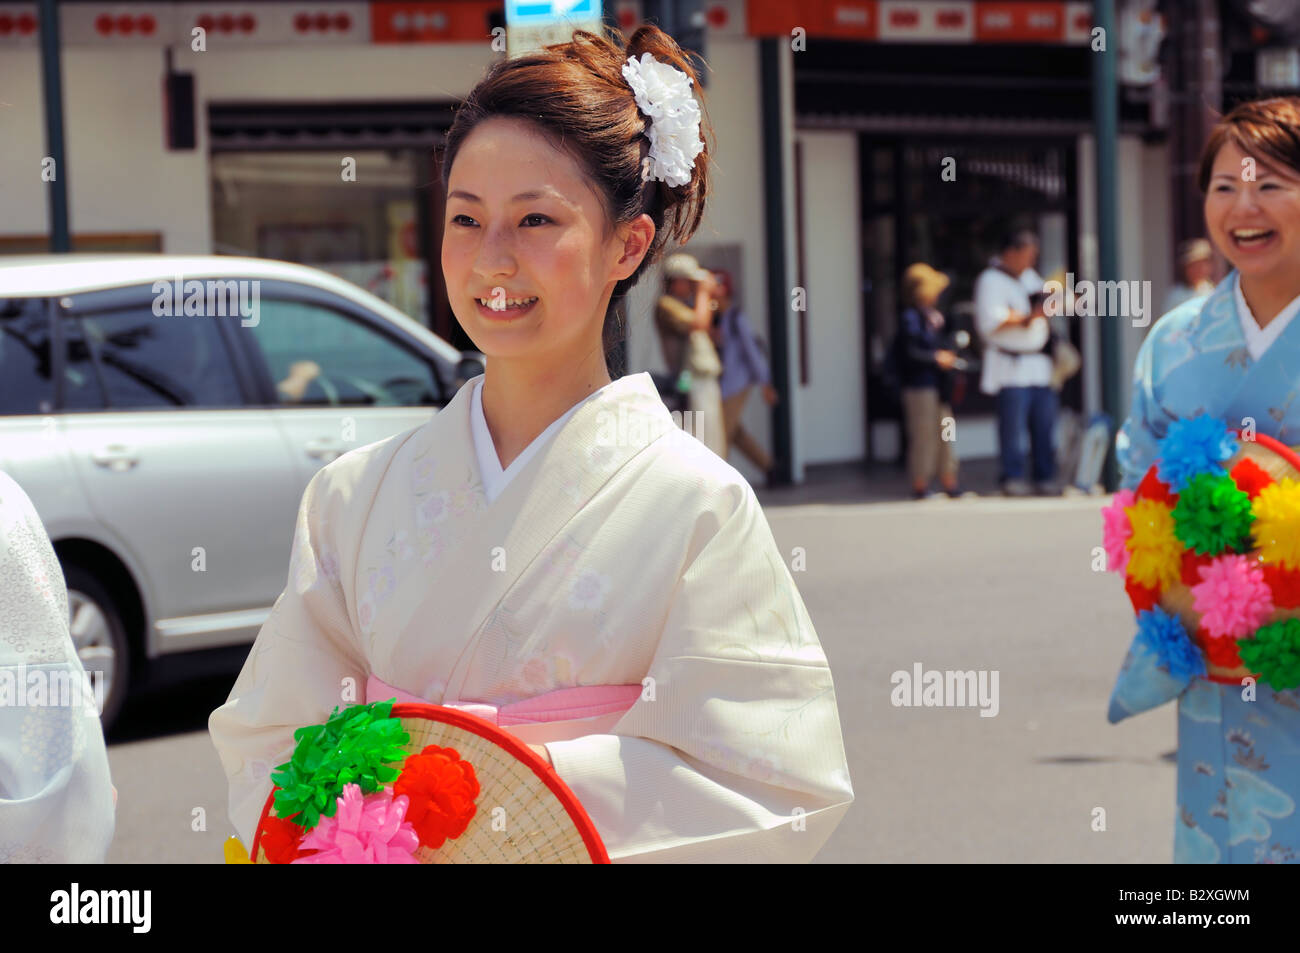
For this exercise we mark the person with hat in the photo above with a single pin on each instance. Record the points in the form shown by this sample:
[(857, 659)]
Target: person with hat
[(684, 315), (1195, 269), (925, 372)]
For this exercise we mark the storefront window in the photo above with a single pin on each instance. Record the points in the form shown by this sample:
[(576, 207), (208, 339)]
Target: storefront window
[(355, 219)]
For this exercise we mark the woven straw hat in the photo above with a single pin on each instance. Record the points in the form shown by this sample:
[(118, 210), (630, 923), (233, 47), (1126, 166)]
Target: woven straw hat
[(524, 812), (1279, 462)]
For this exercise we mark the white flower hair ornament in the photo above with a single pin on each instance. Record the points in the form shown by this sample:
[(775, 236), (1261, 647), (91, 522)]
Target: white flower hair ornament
[(663, 93)]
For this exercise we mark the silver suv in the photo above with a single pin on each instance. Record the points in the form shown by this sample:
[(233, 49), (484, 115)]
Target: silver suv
[(165, 413)]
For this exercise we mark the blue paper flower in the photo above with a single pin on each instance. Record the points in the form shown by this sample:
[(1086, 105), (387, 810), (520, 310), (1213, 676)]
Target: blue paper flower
[(1165, 636), (1195, 445)]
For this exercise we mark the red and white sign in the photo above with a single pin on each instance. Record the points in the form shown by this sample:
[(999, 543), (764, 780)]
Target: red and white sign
[(18, 23), (627, 15), (902, 22), (226, 24), (172, 24), (925, 21), (1078, 23), (725, 17), (464, 21), (452, 21)]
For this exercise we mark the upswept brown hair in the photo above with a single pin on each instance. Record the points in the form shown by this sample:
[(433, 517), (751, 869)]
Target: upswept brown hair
[(577, 97), (1265, 128)]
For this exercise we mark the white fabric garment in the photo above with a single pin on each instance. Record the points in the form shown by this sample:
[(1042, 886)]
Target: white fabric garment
[(494, 478), (996, 295), (623, 550), (1258, 339), (56, 796)]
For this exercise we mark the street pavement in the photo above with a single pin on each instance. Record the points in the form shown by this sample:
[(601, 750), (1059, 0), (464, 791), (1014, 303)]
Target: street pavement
[(968, 585)]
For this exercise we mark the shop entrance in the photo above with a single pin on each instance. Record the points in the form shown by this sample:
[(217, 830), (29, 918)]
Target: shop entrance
[(946, 202), (353, 190)]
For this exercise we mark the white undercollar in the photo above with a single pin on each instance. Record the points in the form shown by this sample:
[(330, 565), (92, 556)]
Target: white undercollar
[(495, 480), (1258, 339)]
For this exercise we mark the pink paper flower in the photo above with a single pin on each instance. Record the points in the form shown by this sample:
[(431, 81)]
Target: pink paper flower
[(1116, 529), (364, 830), (1233, 597)]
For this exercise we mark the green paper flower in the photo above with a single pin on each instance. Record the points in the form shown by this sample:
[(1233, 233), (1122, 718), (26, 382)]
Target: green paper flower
[(355, 746), (1213, 515), (1274, 653)]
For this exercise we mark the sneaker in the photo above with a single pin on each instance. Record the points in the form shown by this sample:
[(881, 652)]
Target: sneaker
[(1050, 488), (926, 494), (1016, 488), (960, 493)]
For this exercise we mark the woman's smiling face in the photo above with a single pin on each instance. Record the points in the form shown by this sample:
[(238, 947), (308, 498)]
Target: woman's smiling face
[(524, 222), (1255, 224)]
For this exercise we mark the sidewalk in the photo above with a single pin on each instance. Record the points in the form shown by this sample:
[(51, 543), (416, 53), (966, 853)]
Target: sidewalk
[(878, 483), (871, 483)]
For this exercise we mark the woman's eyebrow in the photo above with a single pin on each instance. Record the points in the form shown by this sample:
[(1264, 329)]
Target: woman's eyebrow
[(521, 197), (1261, 172)]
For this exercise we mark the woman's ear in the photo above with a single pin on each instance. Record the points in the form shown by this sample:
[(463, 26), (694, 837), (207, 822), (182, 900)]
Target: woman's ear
[(636, 237)]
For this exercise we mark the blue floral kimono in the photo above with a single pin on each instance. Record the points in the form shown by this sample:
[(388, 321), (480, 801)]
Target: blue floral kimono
[(1238, 759)]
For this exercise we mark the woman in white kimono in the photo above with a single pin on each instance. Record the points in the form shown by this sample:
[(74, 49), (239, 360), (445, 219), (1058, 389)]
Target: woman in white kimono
[(1236, 357), (551, 530), (56, 799)]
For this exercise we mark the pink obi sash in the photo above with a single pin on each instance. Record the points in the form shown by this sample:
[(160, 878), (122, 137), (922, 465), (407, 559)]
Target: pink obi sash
[(556, 716)]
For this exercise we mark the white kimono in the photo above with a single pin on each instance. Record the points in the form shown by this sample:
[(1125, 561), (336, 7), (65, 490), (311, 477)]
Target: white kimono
[(56, 797), (623, 550)]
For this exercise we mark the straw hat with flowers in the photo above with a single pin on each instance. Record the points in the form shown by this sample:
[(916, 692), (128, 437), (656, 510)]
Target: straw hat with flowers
[(1209, 546), (419, 783)]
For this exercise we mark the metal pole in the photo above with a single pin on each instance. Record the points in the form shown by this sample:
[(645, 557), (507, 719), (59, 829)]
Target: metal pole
[(1105, 118), (778, 288), (52, 86)]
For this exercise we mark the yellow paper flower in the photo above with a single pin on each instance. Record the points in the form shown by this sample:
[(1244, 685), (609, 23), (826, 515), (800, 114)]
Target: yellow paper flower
[(235, 852), (1157, 554), (1277, 523)]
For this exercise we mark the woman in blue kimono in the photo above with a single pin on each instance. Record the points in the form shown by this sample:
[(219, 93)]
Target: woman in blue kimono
[(1236, 357)]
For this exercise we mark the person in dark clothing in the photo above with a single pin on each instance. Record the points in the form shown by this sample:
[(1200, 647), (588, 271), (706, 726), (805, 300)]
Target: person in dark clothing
[(926, 378)]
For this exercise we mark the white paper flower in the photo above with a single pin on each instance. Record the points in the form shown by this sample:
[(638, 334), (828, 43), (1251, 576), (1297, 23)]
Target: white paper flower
[(663, 93)]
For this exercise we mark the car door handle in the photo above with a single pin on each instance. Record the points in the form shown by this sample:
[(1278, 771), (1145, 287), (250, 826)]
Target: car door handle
[(116, 457), (324, 447)]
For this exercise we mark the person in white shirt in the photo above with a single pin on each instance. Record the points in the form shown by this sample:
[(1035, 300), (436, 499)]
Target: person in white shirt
[(1017, 366)]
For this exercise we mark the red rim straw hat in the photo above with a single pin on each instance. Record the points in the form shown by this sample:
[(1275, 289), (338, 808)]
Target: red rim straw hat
[(1211, 537), (468, 790)]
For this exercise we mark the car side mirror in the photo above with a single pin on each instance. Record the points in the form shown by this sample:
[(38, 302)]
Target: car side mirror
[(469, 366)]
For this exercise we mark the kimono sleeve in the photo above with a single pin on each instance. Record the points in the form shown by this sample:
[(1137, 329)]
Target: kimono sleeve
[(56, 795), (733, 753), (297, 670), (1136, 443)]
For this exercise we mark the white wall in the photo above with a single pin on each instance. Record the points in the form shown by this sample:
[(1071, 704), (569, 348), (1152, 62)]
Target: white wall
[(1145, 248), (734, 214), (121, 178), (831, 417)]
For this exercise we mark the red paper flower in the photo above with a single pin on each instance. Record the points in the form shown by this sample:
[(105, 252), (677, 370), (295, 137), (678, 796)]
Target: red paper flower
[(441, 789), (1142, 597), (1250, 477), (1221, 652), (1285, 584), (281, 840), (1191, 564), (1153, 488)]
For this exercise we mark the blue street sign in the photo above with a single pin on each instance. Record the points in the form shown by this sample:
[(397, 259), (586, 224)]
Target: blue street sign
[(541, 12)]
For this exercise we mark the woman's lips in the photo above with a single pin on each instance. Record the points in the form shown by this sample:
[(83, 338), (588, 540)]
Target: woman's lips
[(1253, 240), (504, 314)]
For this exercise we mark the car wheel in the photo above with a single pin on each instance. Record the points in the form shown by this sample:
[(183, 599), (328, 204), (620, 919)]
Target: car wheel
[(99, 637)]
